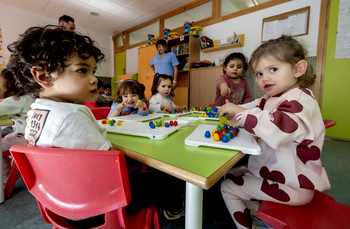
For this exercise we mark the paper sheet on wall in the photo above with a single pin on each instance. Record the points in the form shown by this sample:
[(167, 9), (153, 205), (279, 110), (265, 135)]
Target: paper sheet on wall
[(342, 49), (293, 25)]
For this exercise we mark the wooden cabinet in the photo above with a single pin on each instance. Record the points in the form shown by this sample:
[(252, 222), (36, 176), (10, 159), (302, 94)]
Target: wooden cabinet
[(203, 85), (145, 72), (190, 47)]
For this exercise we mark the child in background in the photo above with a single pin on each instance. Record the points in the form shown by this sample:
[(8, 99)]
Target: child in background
[(232, 85), (99, 99), (107, 92), (58, 67), (290, 131), (161, 89), (125, 101), (16, 104)]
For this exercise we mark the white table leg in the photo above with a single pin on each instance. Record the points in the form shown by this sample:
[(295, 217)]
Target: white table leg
[(194, 206), (2, 195)]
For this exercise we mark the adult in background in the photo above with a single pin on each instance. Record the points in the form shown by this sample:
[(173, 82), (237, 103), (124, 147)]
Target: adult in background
[(165, 62), (67, 23)]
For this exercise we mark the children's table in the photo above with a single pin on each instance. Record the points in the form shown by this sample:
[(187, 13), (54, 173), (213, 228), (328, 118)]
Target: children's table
[(200, 167), (4, 121)]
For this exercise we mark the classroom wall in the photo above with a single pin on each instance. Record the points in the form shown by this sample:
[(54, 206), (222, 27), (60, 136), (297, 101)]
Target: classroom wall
[(251, 26), (15, 21), (336, 93)]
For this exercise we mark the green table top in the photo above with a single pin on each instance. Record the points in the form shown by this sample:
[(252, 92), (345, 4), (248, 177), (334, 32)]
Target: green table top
[(203, 161)]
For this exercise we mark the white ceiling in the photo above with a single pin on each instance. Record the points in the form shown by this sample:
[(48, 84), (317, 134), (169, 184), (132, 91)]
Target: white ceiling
[(114, 15)]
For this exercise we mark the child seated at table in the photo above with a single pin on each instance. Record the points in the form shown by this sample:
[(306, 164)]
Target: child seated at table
[(161, 89), (58, 67), (107, 92), (15, 103), (127, 100)]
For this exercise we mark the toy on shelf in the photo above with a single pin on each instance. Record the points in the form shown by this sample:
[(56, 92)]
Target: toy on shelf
[(166, 32), (195, 30), (187, 27), (155, 39), (223, 133), (206, 42), (150, 36), (173, 35)]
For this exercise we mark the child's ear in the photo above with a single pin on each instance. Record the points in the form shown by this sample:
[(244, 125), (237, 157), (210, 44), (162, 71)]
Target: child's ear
[(41, 77), (300, 68)]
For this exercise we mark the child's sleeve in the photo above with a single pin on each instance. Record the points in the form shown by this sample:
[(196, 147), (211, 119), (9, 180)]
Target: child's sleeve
[(289, 121), (12, 105), (154, 105)]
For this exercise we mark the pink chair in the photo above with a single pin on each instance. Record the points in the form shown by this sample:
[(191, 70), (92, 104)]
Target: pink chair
[(100, 112), (329, 123), (89, 104), (322, 212), (72, 183)]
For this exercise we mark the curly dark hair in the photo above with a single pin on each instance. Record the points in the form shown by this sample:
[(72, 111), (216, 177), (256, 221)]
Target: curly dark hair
[(49, 48), (8, 85), (156, 81), (287, 50), (126, 87), (239, 56)]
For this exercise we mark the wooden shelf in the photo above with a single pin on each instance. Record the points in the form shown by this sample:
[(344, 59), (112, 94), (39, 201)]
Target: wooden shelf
[(184, 54), (240, 43)]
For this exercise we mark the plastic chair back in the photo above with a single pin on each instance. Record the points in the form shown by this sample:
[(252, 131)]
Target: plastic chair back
[(329, 123), (90, 104), (322, 212), (74, 183), (100, 112)]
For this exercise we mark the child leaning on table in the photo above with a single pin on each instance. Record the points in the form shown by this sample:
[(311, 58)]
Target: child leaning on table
[(290, 131), (232, 85), (126, 100), (15, 103), (161, 89), (58, 67)]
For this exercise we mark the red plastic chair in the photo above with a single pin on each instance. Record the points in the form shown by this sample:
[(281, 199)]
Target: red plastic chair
[(12, 178), (100, 112), (89, 104), (322, 212), (329, 123), (72, 183)]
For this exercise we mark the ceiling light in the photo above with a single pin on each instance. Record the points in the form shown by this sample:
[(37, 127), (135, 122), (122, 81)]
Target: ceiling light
[(94, 13)]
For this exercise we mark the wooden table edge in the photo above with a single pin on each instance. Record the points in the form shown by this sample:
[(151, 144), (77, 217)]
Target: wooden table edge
[(182, 174)]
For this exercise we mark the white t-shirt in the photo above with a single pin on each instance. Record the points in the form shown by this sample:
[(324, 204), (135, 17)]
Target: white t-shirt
[(156, 100), (64, 125), (16, 107)]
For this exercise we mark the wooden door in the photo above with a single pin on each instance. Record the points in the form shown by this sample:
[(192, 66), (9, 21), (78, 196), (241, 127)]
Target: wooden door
[(145, 73)]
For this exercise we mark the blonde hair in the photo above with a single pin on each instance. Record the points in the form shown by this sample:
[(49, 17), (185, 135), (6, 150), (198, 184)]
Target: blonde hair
[(285, 49)]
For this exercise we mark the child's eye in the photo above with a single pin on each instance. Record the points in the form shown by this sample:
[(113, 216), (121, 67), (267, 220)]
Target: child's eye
[(258, 74), (82, 70), (273, 69)]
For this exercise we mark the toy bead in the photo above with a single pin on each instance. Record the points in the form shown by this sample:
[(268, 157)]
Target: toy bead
[(163, 123), (209, 109), (213, 132), (143, 100), (175, 123), (159, 124), (111, 123), (215, 109), (216, 116), (155, 123), (103, 122), (138, 101), (171, 123), (152, 126), (119, 123), (216, 137), (218, 127), (224, 138), (235, 132), (207, 134), (230, 127), (231, 134), (108, 121), (167, 125), (211, 105), (228, 136)]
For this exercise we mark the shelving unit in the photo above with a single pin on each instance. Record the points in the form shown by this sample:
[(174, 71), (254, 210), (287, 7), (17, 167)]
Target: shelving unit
[(240, 43), (182, 90)]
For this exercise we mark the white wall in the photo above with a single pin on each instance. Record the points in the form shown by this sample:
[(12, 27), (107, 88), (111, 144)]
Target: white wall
[(251, 26), (15, 21)]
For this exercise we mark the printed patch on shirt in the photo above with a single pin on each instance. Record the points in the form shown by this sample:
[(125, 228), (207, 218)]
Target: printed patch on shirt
[(35, 125)]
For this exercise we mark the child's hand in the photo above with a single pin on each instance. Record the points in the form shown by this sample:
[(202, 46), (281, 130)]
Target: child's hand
[(120, 107), (166, 106), (224, 89), (230, 109), (141, 106)]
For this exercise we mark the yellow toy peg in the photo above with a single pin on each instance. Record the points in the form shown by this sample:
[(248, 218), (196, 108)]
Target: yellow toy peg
[(119, 123)]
